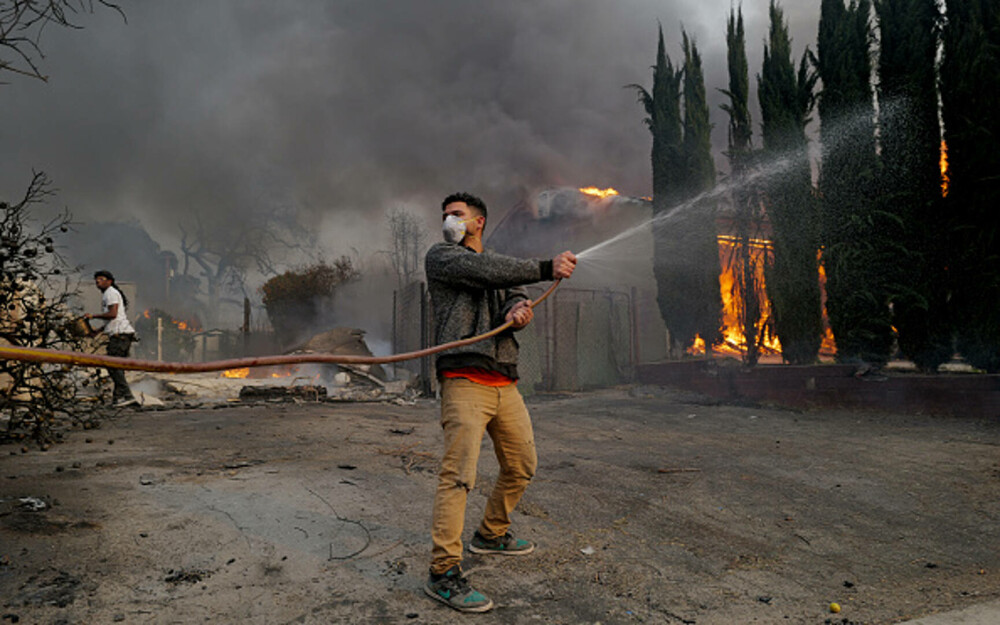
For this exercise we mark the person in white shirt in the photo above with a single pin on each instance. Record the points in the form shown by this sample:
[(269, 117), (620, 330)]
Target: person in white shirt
[(120, 332)]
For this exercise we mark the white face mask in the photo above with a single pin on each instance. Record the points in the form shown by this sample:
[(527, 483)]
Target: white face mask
[(453, 229)]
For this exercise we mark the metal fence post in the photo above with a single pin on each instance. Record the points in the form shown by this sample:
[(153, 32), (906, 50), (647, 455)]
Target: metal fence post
[(395, 345), (425, 339), (634, 323)]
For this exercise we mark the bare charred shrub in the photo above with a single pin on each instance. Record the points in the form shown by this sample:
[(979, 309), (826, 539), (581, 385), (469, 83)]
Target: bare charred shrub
[(298, 301), (37, 401), (22, 23)]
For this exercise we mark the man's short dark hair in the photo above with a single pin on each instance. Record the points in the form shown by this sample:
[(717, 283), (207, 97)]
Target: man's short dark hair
[(468, 198)]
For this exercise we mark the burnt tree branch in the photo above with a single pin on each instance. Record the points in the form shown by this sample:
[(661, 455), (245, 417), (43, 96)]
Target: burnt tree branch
[(22, 23)]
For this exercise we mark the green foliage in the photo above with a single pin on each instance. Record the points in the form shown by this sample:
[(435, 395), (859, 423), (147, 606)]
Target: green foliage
[(685, 253), (298, 301), (704, 301), (855, 231), (663, 118), (970, 89), (792, 276), (910, 181), (697, 128), (786, 98), (740, 130)]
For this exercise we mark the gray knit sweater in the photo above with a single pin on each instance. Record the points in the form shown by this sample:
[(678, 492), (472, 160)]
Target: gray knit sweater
[(472, 294)]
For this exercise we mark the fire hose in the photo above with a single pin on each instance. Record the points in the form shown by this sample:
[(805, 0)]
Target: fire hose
[(80, 359)]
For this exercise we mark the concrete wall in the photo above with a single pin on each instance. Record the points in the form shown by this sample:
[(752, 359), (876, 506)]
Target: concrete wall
[(971, 395)]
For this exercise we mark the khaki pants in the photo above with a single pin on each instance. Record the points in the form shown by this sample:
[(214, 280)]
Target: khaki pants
[(467, 410)]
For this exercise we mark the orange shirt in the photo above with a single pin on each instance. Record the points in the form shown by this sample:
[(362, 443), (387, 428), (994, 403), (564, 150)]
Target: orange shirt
[(479, 376)]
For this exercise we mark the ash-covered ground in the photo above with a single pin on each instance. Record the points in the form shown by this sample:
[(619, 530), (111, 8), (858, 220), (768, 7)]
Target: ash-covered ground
[(649, 506)]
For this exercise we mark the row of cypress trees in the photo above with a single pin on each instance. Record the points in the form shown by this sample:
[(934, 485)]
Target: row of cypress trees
[(905, 264)]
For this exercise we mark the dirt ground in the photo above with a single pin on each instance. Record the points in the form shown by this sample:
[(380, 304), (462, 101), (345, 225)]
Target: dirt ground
[(649, 505)]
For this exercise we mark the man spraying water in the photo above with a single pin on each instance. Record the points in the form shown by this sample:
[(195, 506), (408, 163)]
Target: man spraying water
[(473, 291)]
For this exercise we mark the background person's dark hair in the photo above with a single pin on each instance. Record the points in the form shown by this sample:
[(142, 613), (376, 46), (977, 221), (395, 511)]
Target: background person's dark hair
[(104, 273), (469, 199)]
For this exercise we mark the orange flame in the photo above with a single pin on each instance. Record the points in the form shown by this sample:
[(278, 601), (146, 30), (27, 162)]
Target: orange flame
[(598, 193), (261, 372), (734, 341), (186, 326), (698, 347), (189, 325), (945, 178), (828, 346)]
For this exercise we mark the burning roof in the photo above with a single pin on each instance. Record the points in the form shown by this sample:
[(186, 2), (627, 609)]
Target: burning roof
[(564, 218)]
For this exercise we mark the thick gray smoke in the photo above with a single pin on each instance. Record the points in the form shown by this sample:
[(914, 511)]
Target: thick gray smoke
[(342, 111)]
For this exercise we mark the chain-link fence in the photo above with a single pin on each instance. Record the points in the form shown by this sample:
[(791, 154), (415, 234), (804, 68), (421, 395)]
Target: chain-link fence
[(579, 339), (412, 330)]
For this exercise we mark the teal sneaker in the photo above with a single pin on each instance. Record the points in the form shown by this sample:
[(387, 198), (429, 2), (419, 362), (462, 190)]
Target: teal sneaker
[(452, 589), (505, 545)]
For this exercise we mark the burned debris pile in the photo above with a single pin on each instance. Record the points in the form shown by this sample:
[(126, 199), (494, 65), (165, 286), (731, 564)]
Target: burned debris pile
[(305, 393)]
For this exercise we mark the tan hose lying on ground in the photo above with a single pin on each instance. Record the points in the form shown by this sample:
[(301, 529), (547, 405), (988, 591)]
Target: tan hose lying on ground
[(30, 354)]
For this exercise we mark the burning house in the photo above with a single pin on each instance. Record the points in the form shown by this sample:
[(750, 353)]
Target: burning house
[(601, 324), (564, 218), (579, 219)]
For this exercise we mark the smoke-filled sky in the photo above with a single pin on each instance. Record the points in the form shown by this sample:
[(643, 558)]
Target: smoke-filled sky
[(347, 109)]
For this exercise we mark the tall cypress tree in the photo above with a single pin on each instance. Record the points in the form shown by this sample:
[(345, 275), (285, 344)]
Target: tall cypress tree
[(700, 240), (792, 276), (855, 247), (910, 138), (970, 89), (670, 261), (747, 218), (663, 110)]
